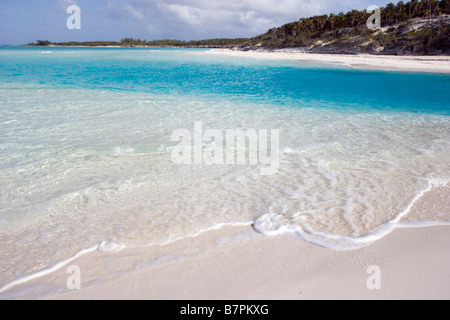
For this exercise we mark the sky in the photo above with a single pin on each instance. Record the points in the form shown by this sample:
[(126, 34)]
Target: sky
[(25, 21)]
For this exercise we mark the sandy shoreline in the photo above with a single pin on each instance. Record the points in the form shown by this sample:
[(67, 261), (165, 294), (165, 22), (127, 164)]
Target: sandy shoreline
[(414, 264), (237, 263), (430, 64), (433, 64)]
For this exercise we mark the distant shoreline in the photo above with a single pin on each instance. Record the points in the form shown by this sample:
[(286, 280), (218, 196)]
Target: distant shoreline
[(406, 63), (127, 47), (432, 64), (270, 51)]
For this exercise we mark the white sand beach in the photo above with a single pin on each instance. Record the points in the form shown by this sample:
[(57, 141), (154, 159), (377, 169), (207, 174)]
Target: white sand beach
[(435, 64), (414, 264)]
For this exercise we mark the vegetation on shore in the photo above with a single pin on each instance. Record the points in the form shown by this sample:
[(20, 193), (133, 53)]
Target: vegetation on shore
[(415, 27), (407, 28), (131, 43)]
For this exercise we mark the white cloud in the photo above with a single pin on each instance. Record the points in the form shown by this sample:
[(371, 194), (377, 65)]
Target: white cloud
[(189, 15), (152, 30), (247, 17), (133, 13), (64, 4), (195, 19)]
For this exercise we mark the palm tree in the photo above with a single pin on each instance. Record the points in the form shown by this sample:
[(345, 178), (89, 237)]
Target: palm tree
[(413, 7), (445, 6), (43, 43), (401, 11), (390, 12)]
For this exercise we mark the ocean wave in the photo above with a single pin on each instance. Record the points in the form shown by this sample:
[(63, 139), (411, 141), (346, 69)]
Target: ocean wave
[(276, 224)]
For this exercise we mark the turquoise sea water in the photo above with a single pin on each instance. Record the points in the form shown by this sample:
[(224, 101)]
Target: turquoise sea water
[(85, 150), (180, 72)]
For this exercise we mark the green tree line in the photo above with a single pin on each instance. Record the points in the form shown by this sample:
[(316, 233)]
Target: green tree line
[(130, 42), (390, 14), (353, 19), (338, 27)]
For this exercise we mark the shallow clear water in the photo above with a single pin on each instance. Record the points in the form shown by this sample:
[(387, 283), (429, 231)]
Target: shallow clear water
[(85, 140)]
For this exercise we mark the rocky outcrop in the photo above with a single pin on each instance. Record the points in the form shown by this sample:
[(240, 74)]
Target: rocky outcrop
[(417, 36)]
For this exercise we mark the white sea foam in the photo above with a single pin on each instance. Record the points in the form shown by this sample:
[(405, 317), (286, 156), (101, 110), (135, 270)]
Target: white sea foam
[(111, 247), (274, 224), (46, 271), (213, 228)]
